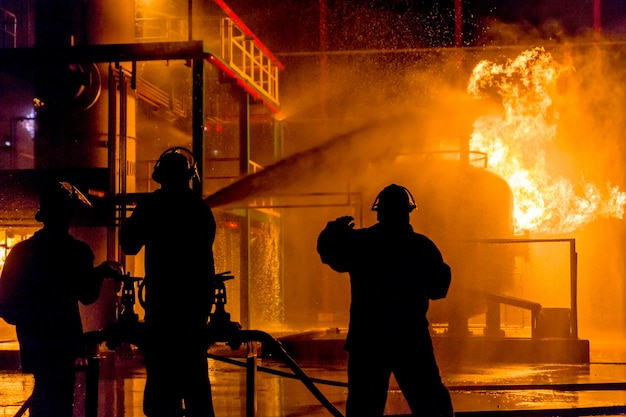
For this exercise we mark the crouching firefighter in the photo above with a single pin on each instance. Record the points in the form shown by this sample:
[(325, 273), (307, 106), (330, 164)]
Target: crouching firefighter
[(394, 272)]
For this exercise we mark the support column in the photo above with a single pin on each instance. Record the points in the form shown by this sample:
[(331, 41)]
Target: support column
[(197, 129), (244, 134), (244, 163), (112, 158)]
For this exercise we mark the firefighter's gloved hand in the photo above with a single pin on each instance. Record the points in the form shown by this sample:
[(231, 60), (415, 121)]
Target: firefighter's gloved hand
[(109, 269), (343, 222), (333, 242)]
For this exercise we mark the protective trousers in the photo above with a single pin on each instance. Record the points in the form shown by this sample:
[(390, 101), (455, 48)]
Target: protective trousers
[(415, 370)]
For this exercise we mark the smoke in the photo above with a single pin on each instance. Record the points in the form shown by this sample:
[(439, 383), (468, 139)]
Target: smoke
[(339, 158), (591, 135), (375, 108), (350, 133)]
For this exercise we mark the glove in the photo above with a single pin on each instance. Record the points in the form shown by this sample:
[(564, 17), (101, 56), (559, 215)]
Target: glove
[(109, 269), (341, 223)]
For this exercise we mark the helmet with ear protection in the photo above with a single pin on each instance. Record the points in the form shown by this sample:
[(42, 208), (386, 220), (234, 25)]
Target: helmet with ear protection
[(58, 200), (175, 163), (394, 198)]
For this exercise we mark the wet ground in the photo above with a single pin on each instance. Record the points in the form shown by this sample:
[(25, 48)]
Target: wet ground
[(596, 388)]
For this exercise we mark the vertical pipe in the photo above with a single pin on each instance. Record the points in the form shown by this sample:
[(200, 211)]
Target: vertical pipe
[(244, 271), (189, 19), (278, 152), (323, 59), (458, 43), (123, 85), (278, 138), (597, 17), (574, 288), (244, 133), (92, 376), (121, 154), (111, 147), (244, 164), (458, 23), (251, 399), (197, 129), (492, 318)]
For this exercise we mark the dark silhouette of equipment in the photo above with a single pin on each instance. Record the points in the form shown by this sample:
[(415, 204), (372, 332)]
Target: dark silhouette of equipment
[(220, 328), (128, 328)]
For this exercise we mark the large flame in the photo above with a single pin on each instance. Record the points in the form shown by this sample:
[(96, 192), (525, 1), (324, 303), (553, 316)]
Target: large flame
[(517, 142)]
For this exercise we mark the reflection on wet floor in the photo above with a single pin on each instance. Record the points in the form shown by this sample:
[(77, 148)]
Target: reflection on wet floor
[(598, 388)]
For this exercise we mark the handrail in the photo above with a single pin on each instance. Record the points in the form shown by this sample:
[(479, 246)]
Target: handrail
[(514, 301), (248, 60), (493, 312), (477, 157), (573, 263)]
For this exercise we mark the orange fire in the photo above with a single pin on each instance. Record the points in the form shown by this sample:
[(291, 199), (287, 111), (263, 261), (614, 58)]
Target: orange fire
[(7, 241), (517, 142)]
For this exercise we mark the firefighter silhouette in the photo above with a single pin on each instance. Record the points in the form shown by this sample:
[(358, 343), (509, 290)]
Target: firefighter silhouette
[(394, 272), (177, 229), (43, 280)]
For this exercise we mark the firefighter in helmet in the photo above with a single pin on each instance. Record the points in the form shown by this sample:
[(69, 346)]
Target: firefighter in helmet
[(43, 280), (394, 272), (177, 229)]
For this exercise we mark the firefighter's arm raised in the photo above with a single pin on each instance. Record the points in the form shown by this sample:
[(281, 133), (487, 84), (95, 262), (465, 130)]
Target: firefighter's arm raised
[(333, 243)]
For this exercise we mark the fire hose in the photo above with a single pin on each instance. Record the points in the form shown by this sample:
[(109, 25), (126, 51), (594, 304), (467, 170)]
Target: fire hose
[(128, 329), (220, 328), (275, 348)]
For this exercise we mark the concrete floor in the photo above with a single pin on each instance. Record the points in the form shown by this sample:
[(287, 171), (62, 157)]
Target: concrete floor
[(507, 389)]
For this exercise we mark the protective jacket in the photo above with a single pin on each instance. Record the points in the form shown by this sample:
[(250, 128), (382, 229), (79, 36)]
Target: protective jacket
[(394, 272), (43, 279), (177, 229)]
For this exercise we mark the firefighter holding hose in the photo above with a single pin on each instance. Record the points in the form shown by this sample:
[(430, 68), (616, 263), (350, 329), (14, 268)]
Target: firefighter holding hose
[(394, 272), (177, 229)]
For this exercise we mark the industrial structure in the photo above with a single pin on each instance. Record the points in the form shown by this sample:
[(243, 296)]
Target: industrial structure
[(94, 92)]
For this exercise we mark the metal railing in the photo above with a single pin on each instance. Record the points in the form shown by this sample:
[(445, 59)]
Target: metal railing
[(248, 60), (573, 272), (159, 28)]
